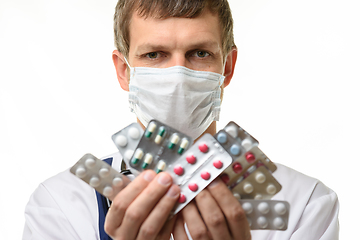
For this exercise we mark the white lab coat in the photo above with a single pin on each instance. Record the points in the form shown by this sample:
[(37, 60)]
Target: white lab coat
[(64, 207)]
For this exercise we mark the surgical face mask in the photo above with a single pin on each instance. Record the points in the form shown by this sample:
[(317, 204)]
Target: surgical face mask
[(184, 99)]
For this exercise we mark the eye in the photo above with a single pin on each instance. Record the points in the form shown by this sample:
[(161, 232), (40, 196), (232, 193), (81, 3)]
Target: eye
[(201, 54), (152, 55)]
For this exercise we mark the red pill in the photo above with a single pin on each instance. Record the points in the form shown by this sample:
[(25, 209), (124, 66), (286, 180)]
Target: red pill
[(218, 164), (250, 157), (178, 170), (193, 187), (203, 147), (237, 167), (191, 159), (205, 175), (182, 198)]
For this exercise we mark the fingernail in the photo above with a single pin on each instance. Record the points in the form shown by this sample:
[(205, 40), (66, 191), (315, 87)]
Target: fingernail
[(164, 179), (173, 192), (214, 183), (149, 176)]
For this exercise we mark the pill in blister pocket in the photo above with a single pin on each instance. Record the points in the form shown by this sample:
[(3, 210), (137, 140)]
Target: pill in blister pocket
[(160, 166), (205, 175), (179, 170), (183, 145), (160, 135), (150, 129), (147, 160), (203, 147), (137, 156), (173, 141), (218, 164), (191, 159), (250, 157)]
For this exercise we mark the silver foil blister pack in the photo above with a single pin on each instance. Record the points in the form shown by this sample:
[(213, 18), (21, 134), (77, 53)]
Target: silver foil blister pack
[(159, 146), (197, 168), (100, 175)]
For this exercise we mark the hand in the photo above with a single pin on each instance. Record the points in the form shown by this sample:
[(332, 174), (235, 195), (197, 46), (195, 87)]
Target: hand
[(141, 210), (215, 214)]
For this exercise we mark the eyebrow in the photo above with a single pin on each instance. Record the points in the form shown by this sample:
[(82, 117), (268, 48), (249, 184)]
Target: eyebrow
[(148, 47)]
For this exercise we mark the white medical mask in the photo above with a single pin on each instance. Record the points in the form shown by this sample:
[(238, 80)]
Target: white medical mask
[(184, 99)]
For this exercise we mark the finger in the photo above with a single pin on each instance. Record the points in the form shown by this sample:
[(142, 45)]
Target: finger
[(232, 210), (140, 208), (179, 228), (194, 222), (124, 198), (212, 215), (159, 215)]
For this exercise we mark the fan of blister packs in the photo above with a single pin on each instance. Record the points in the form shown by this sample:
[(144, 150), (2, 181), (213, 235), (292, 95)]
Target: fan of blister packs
[(231, 154)]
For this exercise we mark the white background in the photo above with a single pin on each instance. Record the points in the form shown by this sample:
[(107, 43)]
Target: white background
[(295, 89)]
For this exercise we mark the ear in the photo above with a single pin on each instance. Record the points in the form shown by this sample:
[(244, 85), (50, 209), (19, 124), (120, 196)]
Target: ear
[(121, 69), (230, 66)]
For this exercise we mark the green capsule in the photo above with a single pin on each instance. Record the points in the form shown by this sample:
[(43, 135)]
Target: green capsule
[(137, 156), (160, 166), (174, 140), (160, 135), (184, 144), (147, 160), (150, 129)]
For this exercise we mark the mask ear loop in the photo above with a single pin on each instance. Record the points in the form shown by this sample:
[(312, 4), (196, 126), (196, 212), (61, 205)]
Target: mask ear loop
[(132, 72), (127, 63)]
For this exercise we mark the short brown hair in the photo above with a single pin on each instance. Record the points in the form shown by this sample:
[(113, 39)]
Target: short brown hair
[(170, 8)]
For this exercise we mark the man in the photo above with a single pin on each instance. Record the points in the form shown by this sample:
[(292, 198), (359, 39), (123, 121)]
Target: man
[(174, 57)]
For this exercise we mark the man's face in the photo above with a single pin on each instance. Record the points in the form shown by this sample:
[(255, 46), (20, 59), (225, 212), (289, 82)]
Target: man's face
[(194, 43)]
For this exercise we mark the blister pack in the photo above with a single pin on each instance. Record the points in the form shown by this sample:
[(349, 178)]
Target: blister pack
[(243, 137), (159, 146), (197, 168), (100, 175), (266, 214), (256, 183), (127, 139)]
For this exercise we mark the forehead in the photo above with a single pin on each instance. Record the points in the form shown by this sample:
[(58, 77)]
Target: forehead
[(175, 32)]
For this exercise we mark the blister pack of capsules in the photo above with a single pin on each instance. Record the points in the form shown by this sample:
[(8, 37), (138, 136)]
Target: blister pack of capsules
[(197, 168), (127, 139), (159, 146), (266, 214), (100, 175)]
